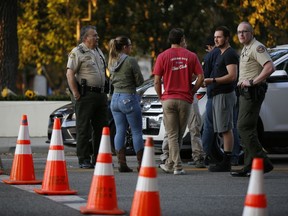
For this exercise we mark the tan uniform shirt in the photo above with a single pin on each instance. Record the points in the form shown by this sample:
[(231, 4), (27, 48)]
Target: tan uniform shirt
[(87, 64), (252, 59)]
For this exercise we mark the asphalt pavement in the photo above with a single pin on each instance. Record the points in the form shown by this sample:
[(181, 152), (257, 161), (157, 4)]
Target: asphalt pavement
[(199, 192)]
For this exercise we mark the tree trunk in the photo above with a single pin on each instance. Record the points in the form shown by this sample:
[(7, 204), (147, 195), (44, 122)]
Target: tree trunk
[(8, 44)]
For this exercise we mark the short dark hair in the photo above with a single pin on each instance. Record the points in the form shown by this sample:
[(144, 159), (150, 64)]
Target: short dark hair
[(225, 30), (175, 35), (84, 30)]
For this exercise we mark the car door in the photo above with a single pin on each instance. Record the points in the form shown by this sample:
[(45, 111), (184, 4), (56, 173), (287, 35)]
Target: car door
[(274, 108)]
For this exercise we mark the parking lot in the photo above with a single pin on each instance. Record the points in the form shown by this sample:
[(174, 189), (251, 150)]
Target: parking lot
[(199, 192)]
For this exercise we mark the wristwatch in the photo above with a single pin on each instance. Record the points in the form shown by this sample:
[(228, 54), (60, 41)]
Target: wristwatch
[(251, 82), (214, 80)]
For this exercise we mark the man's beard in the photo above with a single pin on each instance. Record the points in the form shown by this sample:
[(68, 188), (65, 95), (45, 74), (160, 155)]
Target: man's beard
[(220, 46)]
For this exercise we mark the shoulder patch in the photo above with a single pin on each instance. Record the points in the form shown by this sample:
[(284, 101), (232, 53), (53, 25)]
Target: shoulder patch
[(260, 49), (72, 55), (81, 49)]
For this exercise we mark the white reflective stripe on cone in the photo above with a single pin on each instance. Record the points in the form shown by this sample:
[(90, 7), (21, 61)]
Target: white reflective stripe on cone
[(23, 149), (23, 133), (254, 211), (256, 187), (55, 155), (147, 184), (56, 138), (106, 147), (103, 169), (148, 159)]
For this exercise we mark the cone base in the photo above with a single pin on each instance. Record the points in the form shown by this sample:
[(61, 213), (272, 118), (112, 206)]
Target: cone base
[(48, 192), (17, 182), (85, 210)]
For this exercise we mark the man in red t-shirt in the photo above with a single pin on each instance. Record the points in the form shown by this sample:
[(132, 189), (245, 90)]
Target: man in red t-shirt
[(177, 66)]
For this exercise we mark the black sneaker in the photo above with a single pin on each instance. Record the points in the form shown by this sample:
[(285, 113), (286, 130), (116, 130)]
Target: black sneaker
[(220, 167), (244, 172), (86, 165), (268, 166)]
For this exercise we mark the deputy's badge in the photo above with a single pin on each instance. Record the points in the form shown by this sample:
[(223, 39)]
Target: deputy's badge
[(260, 49)]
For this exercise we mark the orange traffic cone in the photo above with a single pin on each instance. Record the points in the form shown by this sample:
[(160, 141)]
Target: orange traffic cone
[(55, 181), (255, 202), (102, 196), (22, 171), (146, 199)]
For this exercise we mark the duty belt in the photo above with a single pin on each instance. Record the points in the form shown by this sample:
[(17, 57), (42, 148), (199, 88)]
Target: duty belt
[(95, 89)]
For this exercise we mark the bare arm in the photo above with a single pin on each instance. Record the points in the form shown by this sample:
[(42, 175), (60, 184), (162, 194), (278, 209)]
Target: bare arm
[(70, 74), (267, 70), (199, 82), (158, 86), (228, 78)]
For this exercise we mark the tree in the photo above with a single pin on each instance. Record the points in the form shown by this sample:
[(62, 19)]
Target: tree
[(8, 44), (269, 19), (47, 33)]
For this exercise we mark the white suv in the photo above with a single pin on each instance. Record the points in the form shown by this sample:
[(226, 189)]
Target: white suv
[(152, 115), (273, 120)]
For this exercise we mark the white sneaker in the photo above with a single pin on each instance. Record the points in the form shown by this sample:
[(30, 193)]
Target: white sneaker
[(179, 172), (164, 168)]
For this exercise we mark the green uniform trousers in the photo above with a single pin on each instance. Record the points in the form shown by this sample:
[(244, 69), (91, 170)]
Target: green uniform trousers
[(91, 116), (249, 110)]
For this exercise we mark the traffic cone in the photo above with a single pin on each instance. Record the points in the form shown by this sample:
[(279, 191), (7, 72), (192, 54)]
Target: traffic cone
[(255, 202), (22, 171), (146, 199), (102, 196), (55, 181)]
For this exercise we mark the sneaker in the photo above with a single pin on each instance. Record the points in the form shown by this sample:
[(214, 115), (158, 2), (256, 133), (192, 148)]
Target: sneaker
[(220, 167), (161, 162), (234, 161), (179, 172), (86, 165), (268, 166), (200, 164), (191, 163), (164, 168)]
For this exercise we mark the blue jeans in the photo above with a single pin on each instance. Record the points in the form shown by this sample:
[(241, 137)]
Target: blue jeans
[(126, 111), (208, 130)]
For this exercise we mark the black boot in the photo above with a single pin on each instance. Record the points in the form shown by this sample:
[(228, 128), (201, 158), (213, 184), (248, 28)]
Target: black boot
[(139, 155), (121, 155), (224, 165)]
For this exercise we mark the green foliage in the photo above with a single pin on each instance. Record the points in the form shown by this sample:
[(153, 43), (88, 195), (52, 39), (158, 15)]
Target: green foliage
[(47, 28)]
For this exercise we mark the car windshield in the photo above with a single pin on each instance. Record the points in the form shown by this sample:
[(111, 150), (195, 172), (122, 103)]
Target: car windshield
[(277, 53)]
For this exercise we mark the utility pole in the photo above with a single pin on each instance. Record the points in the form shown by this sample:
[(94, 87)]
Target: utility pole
[(86, 19)]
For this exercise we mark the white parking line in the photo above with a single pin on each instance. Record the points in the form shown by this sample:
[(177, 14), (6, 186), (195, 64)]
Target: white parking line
[(71, 201)]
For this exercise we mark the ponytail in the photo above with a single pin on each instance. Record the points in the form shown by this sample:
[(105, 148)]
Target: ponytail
[(115, 48)]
